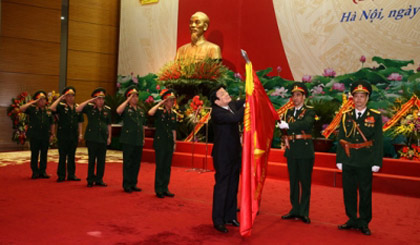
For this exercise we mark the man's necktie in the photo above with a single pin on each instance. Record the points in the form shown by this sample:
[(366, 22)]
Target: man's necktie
[(359, 115)]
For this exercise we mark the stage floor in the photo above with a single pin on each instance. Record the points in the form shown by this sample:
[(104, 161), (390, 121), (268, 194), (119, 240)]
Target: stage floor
[(46, 212)]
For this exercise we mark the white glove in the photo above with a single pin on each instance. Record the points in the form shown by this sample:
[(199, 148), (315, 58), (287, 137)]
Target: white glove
[(283, 125), (339, 166), (375, 168)]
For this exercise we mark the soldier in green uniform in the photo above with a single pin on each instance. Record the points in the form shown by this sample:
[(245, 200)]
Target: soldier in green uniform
[(164, 141), (69, 133), (132, 138), (39, 132), (299, 123), (97, 135), (359, 154)]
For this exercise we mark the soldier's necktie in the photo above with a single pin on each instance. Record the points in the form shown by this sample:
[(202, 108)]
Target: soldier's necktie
[(359, 115)]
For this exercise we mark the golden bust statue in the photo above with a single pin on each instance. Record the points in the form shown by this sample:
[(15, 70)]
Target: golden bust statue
[(199, 48)]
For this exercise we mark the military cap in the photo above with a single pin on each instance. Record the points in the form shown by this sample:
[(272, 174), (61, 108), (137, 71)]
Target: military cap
[(69, 90), (131, 90), (98, 92), (167, 93), (361, 86), (39, 94), (299, 87)]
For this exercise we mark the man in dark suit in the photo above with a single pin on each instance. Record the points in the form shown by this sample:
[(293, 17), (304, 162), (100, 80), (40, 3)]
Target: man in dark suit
[(226, 116), (359, 154), (299, 123)]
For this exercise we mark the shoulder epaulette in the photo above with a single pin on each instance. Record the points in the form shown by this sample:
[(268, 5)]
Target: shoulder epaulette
[(160, 108), (376, 111), (107, 107), (91, 104), (308, 106), (62, 103)]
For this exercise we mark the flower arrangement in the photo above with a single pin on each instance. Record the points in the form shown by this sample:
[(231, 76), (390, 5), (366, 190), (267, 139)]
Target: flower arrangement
[(20, 123), (410, 152), (194, 112), (408, 126), (208, 69)]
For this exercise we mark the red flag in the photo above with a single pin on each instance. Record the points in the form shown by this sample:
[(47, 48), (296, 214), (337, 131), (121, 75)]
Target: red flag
[(259, 122)]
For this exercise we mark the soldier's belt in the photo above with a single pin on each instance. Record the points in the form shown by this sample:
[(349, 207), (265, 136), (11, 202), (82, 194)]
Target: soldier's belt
[(299, 137), (347, 146)]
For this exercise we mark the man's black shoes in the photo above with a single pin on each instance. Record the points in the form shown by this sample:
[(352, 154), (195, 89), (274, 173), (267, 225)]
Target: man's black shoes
[(128, 190), (60, 179), (101, 183), (365, 230), (160, 195), (345, 227), (289, 216), (168, 194), (44, 176), (135, 188), (221, 228), (233, 222), (305, 219)]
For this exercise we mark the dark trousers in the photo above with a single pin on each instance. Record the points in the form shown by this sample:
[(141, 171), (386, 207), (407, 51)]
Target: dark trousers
[(39, 147), (163, 158), (354, 178), (97, 153), (225, 191), (131, 164), (67, 151), (300, 176)]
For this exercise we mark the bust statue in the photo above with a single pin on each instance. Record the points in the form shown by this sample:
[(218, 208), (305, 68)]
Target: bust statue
[(199, 48)]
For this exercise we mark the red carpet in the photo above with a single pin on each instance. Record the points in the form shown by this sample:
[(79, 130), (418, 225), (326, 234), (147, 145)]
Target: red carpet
[(45, 212)]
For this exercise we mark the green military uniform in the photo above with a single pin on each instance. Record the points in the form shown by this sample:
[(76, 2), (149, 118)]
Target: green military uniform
[(357, 169), (67, 135), (40, 121), (300, 158), (96, 136), (132, 144), (163, 143)]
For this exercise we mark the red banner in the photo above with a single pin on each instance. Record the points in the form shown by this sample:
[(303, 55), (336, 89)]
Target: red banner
[(259, 122)]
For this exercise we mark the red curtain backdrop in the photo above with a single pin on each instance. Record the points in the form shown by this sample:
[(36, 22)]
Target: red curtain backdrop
[(239, 24)]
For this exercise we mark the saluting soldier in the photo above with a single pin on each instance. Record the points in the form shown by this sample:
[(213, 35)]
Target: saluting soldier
[(359, 154), (299, 124), (39, 132), (97, 134), (164, 141), (132, 138), (69, 133)]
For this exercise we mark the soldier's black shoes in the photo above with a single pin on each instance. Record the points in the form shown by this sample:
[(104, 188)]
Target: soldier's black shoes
[(128, 190), (233, 222), (60, 179), (305, 219), (289, 216), (365, 230), (101, 183), (168, 194), (135, 188), (345, 227), (221, 228), (44, 176), (89, 184), (160, 195), (73, 178), (35, 176)]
